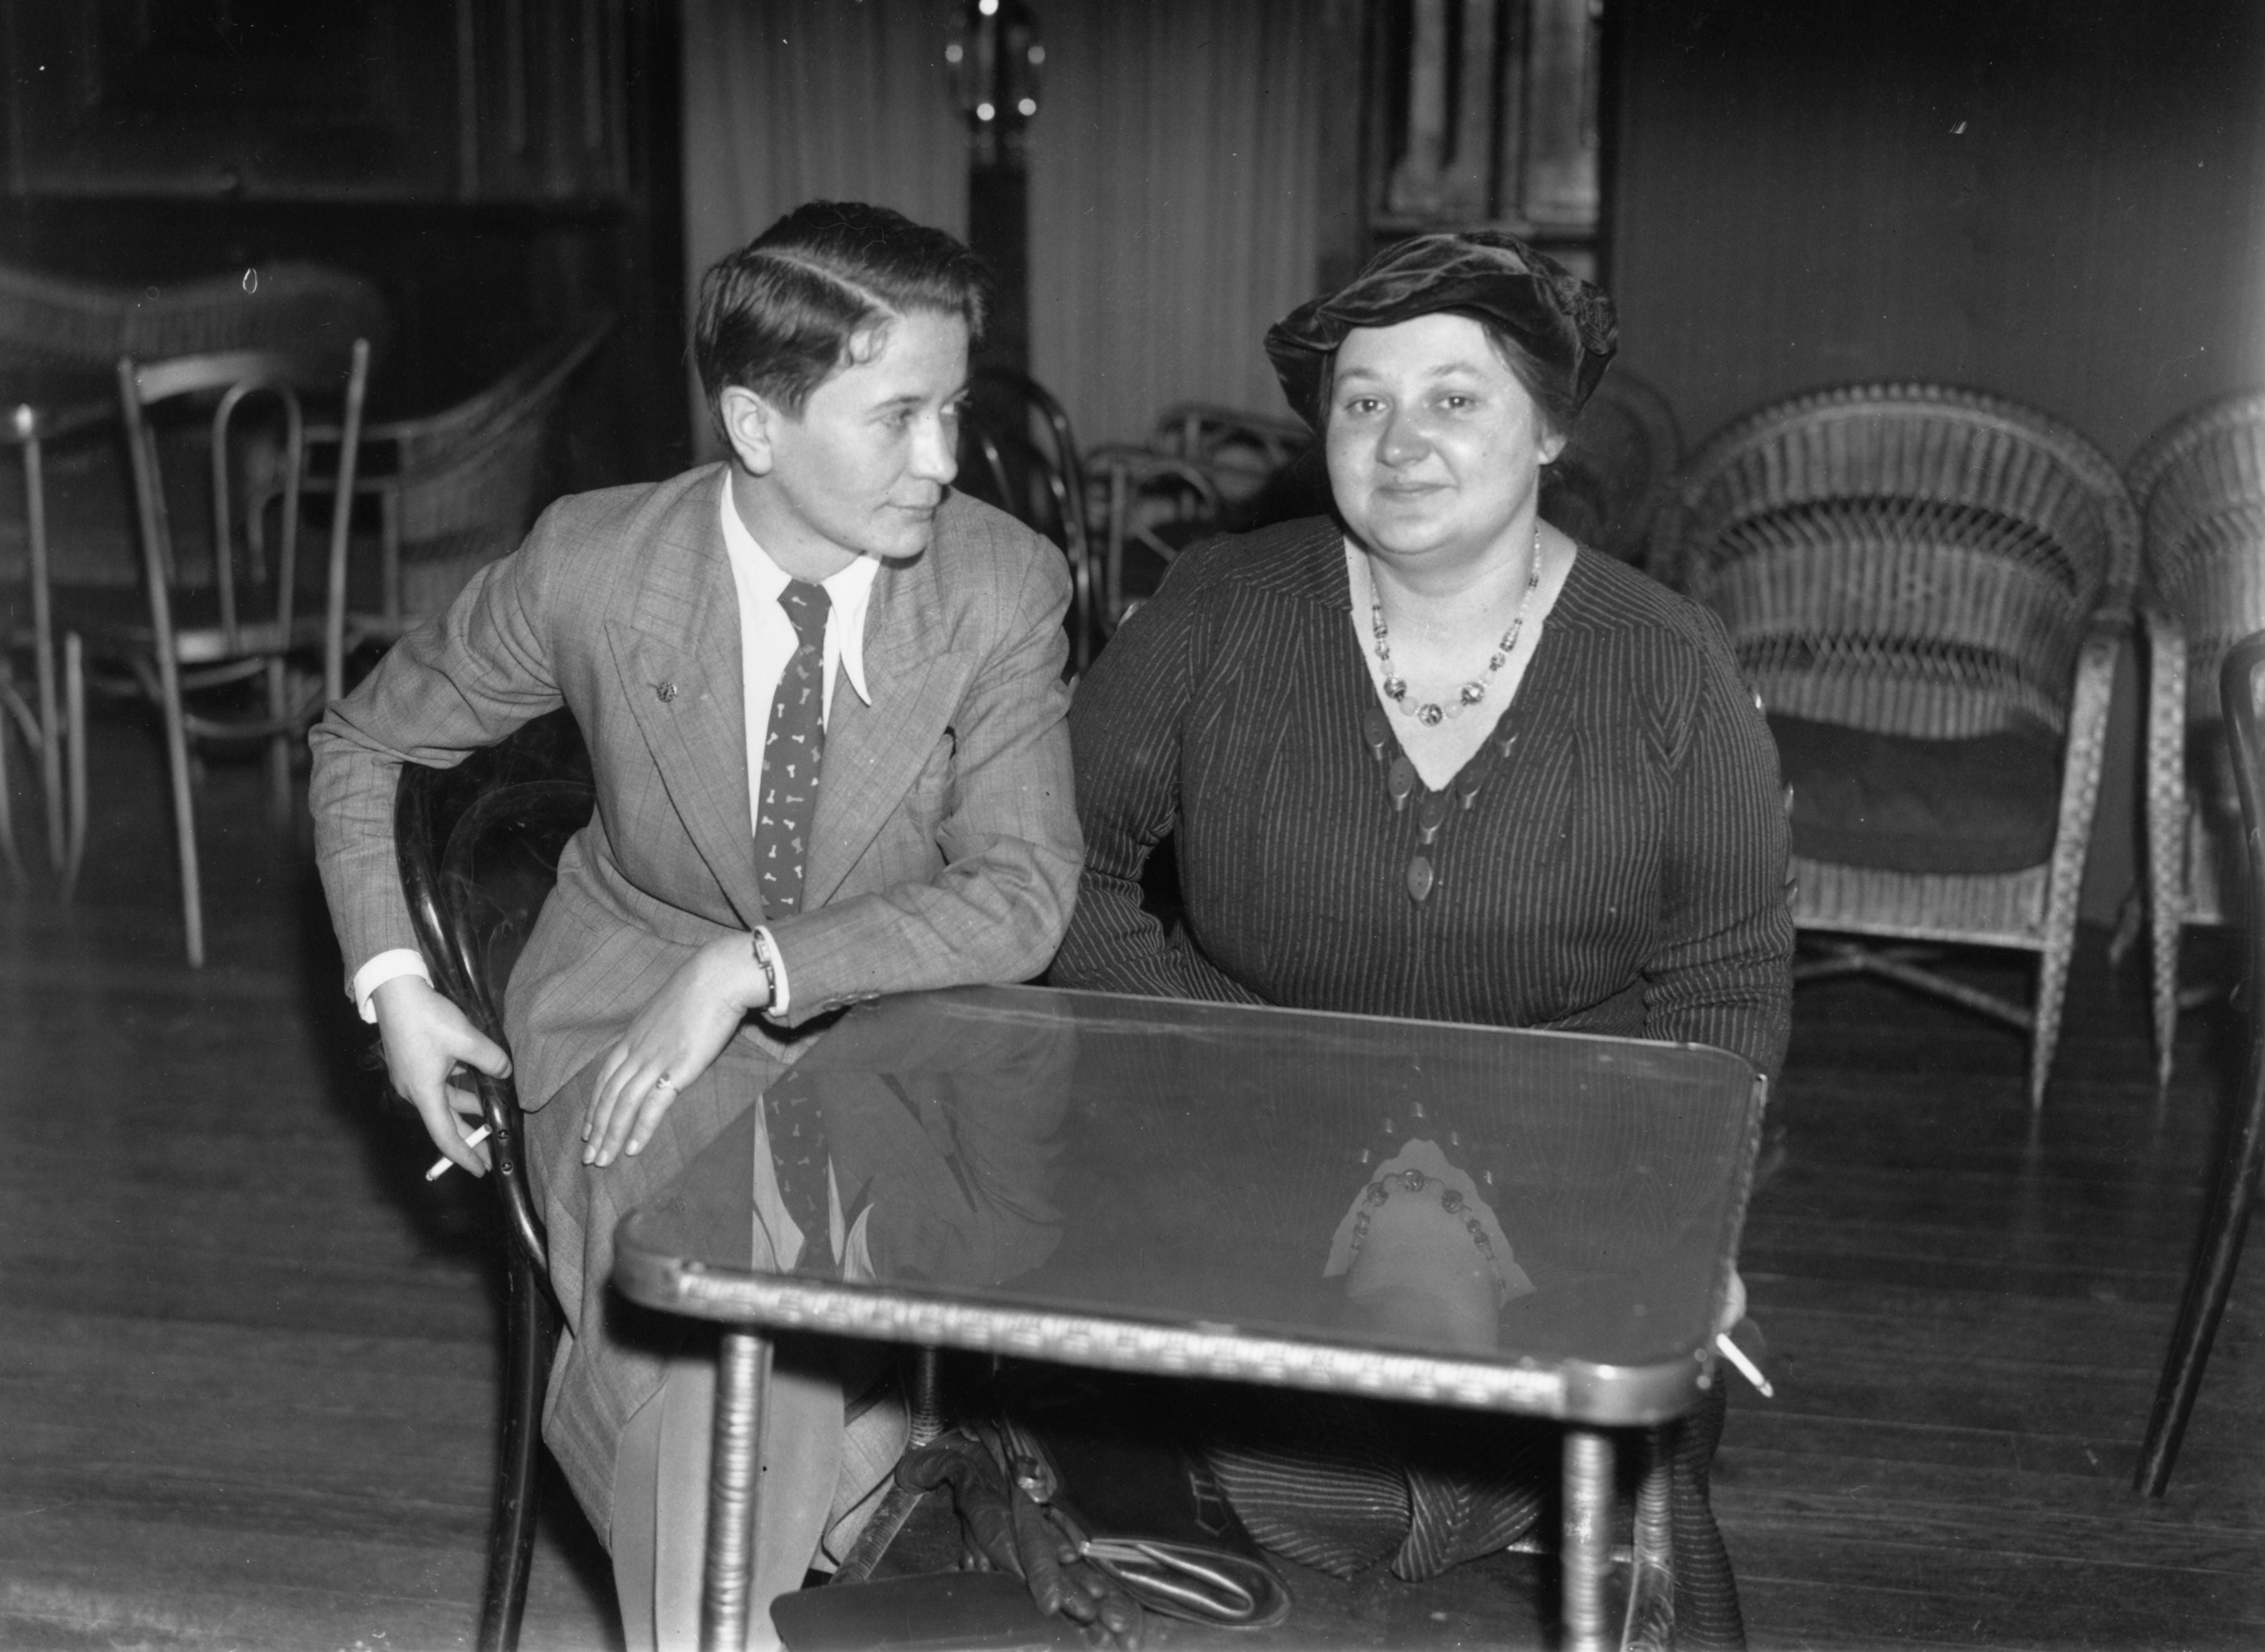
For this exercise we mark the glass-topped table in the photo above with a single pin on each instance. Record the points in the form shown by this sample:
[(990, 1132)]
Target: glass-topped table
[(1526, 1222)]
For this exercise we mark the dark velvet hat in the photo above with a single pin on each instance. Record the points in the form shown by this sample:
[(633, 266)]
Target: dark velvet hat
[(1563, 323)]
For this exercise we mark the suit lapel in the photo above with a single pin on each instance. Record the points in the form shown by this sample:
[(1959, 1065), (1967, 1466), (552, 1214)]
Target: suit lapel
[(873, 753), (678, 658)]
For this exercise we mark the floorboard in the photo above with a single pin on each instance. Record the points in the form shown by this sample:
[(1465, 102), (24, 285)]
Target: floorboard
[(248, 1360)]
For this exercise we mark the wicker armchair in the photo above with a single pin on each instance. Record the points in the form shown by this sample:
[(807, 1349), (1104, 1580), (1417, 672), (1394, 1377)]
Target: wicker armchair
[(2200, 487), (1926, 588), (302, 309), (454, 490)]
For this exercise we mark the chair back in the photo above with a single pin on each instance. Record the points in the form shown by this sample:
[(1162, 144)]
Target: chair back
[(1017, 452), (470, 480), (1241, 451), (295, 309), (249, 405), (2242, 700), (479, 848), (2199, 485), (1906, 559), (1605, 485)]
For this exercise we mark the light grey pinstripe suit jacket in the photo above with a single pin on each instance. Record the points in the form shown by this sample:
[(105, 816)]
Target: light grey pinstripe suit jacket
[(946, 847)]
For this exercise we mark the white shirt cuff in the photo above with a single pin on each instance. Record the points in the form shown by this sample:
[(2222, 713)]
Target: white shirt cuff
[(766, 953), (384, 967)]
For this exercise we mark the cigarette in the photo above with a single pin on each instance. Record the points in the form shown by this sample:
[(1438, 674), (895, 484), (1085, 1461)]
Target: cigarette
[(443, 1165), (1747, 1369)]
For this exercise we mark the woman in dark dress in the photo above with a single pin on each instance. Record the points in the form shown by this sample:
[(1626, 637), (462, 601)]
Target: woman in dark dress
[(1428, 758)]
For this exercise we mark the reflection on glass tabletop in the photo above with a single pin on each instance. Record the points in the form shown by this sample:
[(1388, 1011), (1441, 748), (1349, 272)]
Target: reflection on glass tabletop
[(1533, 1221)]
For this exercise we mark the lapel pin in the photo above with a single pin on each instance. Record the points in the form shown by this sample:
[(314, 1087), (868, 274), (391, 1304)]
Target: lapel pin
[(666, 691)]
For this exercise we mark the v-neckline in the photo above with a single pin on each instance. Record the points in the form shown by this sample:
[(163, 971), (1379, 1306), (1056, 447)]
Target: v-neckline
[(1374, 694)]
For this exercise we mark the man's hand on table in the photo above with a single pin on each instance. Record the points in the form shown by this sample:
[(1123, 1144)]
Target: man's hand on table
[(425, 1037), (670, 1043)]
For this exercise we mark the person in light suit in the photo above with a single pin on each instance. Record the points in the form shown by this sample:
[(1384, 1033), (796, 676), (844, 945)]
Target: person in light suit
[(819, 611)]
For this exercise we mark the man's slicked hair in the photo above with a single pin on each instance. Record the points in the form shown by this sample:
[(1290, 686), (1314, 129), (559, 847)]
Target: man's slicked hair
[(806, 298)]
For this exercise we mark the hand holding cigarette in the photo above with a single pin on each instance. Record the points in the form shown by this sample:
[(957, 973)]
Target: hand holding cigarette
[(443, 1165)]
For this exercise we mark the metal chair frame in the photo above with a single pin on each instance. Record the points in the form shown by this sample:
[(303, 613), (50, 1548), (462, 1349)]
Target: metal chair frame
[(2232, 1191)]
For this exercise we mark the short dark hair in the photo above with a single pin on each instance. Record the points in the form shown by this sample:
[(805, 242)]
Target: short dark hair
[(798, 303)]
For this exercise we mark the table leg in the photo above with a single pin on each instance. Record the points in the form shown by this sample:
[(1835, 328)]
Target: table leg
[(1586, 1555), (742, 1378)]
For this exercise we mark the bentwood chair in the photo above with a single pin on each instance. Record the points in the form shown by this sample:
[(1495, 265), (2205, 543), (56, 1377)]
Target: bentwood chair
[(60, 341), (454, 490), (1017, 452), (2241, 1150), (2199, 485), (223, 636), (479, 847), (1153, 506), (1241, 451), (1608, 484), (1204, 470), (1926, 588)]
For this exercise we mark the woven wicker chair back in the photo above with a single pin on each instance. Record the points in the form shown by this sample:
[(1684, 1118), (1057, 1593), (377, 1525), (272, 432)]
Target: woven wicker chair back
[(297, 308), (2200, 487), (1907, 559)]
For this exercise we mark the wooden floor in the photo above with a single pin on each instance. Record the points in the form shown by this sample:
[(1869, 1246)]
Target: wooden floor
[(246, 1353)]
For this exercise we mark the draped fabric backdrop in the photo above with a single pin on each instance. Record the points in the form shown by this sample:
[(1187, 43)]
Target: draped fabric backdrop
[(787, 101), (1174, 177), (1173, 172)]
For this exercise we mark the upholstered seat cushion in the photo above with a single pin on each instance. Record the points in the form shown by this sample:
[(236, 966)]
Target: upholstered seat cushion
[(1895, 804)]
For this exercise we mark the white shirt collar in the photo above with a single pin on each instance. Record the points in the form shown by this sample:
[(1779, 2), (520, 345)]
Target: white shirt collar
[(849, 592)]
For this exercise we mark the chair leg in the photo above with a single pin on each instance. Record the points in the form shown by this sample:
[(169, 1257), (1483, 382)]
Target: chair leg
[(185, 821), (43, 645), (279, 750), (510, 1534), (74, 733), (2210, 1281), (2052, 991), (2167, 829), (7, 815)]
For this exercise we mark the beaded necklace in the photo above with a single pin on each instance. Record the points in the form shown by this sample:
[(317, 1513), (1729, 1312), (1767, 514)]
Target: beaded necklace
[(1430, 713), (1400, 777)]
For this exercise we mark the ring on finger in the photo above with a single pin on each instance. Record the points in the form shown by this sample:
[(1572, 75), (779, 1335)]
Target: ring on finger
[(664, 1082)]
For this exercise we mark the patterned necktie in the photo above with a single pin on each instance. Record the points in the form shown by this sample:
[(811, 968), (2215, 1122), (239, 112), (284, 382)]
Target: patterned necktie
[(791, 753), (800, 1161)]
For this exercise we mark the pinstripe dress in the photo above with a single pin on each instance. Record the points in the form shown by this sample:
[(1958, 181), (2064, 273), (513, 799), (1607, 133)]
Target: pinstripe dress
[(1620, 868)]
